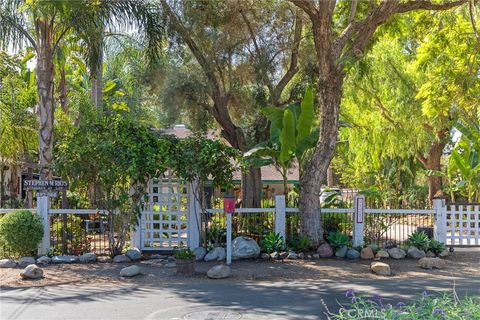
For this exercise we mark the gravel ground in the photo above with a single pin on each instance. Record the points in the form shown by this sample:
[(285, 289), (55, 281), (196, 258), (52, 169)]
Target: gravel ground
[(460, 265)]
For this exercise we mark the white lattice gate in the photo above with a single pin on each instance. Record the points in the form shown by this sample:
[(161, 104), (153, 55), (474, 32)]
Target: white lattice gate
[(463, 225), (164, 223)]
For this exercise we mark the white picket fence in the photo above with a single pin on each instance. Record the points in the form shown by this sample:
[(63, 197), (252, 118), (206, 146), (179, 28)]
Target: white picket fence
[(454, 225)]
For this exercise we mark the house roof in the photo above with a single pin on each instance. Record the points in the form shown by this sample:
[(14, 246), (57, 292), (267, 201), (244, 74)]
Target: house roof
[(269, 173)]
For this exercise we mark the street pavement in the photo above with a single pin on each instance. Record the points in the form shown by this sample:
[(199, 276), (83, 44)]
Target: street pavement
[(210, 299)]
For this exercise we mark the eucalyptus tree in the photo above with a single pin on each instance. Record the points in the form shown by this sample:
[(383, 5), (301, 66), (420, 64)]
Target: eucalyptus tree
[(342, 32), (42, 24), (241, 49)]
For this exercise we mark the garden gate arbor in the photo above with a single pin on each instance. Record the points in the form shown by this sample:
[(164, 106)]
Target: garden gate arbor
[(170, 216)]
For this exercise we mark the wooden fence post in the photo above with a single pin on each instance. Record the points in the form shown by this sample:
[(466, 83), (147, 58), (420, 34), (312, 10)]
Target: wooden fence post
[(280, 216), (43, 205), (358, 220), (440, 227), (194, 217)]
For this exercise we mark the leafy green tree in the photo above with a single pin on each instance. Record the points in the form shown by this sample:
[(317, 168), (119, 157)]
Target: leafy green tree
[(342, 32)]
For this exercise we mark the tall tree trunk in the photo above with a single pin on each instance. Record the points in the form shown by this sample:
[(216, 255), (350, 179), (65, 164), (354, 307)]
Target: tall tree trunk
[(62, 89), (433, 162), (315, 170), (252, 188), (45, 86), (96, 73)]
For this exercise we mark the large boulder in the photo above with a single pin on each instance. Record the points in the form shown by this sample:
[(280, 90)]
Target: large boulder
[(353, 254), (200, 253), (367, 253), (341, 252), (130, 271), (134, 254), (121, 258), (430, 263), (32, 272), (7, 263), (88, 257), (44, 260), (415, 253), (64, 259), (325, 251), (382, 254), (216, 254), (219, 272), (396, 253), (244, 248), (104, 259), (380, 268), (25, 261)]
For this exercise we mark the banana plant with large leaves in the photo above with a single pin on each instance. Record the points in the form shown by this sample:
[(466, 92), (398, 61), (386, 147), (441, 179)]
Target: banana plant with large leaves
[(464, 162), (293, 131)]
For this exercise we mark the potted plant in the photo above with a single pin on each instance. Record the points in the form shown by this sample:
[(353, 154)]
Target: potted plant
[(185, 261)]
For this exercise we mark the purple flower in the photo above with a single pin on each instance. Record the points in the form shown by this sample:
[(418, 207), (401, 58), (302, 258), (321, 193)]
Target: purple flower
[(425, 293), (401, 304), (438, 311), (349, 293)]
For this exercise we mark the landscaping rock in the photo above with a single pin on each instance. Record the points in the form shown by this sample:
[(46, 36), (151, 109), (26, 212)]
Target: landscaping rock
[(265, 256), (134, 254), (292, 256), (444, 253), (244, 248), (200, 253), (389, 244), (217, 253), (130, 271), (104, 259), (382, 254), (25, 261), (171, 265), (380, 268), (32, 272), (353, 254), (367, 253), (44, 260), (430, 263), (301, 255), (315, 256), (430, 254), (7, 263), (64, 259), (342, 252), (121, 258), (171, 259), (283, 255), (88, 257), (275, 255), (396, 253), (415, 253), (219, 272), (374, 247), (325, 250)]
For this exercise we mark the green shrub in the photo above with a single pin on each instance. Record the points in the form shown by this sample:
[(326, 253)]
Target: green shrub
[(428, 306), (338, 239), (436, 246), (184, 254), (21, 231), (272, 242), (375, 248), (300, 243), (420, 240)]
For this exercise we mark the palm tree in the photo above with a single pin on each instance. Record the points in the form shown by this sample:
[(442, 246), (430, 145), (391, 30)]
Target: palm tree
[(42, 24)]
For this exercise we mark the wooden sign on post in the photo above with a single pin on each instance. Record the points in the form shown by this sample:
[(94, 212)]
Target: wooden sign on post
[(44, 184)]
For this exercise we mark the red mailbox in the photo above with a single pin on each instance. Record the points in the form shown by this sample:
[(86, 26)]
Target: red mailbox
[(229, 204)]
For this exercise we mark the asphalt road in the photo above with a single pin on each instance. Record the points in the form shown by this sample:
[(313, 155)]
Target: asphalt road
[(209, 299)]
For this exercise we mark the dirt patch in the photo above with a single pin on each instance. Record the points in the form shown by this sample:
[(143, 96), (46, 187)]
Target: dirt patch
[(462, 264)]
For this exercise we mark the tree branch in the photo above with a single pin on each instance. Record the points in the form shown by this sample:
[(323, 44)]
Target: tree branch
[(308, 6), (353, 11), (293, 68), (19, 28)]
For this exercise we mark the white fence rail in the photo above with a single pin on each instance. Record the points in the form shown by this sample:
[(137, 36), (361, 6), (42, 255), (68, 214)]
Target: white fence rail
[(454, 225)]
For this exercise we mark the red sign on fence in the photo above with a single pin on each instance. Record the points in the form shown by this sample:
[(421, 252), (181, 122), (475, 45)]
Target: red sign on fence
[(229, 204)]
